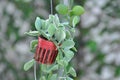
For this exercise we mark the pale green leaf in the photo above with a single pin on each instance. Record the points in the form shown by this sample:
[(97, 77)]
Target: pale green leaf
[(47, 23), (69, 78), (74, 49), (72, 71), (51, 29), (38, 24), (72, 31), (68, 44), (62, 62), (33, 44), (56, 20), (44, 67), (75, 21), (65, 23), (60, 55), (32, 33), (29, 64), (52, 68), (44, 27), (68, 55), (49, 68), (60, 35), (51, 18), (68, 35)]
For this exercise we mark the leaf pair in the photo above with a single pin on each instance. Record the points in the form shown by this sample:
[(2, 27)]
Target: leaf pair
[(76, 11)]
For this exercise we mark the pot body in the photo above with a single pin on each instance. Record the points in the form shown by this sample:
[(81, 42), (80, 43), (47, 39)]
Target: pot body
[(46, 51)]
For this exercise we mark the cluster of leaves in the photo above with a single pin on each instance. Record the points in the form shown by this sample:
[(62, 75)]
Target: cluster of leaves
[(61, 34)]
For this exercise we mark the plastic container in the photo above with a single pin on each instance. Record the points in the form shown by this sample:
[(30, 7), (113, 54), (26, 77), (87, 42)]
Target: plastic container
[(46, 51)]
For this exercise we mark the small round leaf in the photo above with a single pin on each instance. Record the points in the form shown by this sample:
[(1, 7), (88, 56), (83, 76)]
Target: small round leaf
[(62, 9), (78, 10), (68, 44)]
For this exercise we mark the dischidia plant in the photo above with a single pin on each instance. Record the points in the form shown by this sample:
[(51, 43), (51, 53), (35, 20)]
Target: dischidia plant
[(54, 48)]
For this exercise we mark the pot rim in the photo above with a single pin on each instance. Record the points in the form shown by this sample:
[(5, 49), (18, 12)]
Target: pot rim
[(42, 40)]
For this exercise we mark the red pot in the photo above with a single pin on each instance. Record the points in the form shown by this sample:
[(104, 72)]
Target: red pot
[(46, 51)]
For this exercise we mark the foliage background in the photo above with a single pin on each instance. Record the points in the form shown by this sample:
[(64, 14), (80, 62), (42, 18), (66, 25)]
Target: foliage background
[(97, 38)]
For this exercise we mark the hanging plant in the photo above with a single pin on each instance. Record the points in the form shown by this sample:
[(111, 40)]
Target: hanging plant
[(54, 48)]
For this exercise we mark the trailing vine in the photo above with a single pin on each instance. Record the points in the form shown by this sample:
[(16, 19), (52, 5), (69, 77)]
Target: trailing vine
[(61, 33)]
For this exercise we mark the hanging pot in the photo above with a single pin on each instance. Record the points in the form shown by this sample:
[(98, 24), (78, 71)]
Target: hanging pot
[(46, 51)]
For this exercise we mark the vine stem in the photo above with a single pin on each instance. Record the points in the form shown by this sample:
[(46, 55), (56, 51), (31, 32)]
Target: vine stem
[(51, 5), (35, 71)]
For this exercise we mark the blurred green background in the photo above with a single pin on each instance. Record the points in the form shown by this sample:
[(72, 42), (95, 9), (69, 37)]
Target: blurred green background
[(97, 38)]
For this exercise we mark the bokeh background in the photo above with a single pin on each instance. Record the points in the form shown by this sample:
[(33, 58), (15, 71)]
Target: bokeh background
[(97, 38)]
